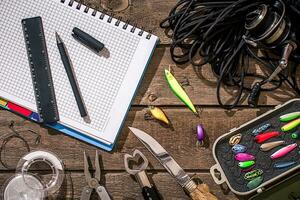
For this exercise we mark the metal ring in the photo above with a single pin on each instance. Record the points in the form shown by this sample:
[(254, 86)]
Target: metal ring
[(126, 25), (78, 6), (71, 3)]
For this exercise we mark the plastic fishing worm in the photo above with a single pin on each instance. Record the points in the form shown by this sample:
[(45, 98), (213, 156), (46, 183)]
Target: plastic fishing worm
[(290, 116), (261, 129), (283, 151), (266, 136), (290, 126), (244, 157), (270, 145), (284, 164)]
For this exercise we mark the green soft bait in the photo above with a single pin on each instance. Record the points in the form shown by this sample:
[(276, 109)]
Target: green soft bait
[(291, 125), (179, 91), (290, 116), (253, 174), (255, 183), (246, 164)]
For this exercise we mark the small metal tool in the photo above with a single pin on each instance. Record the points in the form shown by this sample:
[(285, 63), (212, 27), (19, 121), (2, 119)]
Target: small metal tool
[(93, 183), (149, 192)]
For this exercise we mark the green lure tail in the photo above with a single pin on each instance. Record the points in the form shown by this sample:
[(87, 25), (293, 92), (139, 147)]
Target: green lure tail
[(179, 91), (290, 116)]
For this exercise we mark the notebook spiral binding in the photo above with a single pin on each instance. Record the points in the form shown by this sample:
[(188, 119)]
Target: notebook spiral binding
[(110, 18)]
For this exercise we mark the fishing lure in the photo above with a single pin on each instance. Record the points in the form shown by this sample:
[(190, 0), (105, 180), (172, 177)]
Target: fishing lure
[(255, 182), (158, 114), (179, 91), (246, 164), (238, 148), (295, 135), (200, 134), (261, 129), (289, 117), (290, 126), (235, 139), (283, 151), (270, 145), (282, 165), (244, 157), (249, 169), (266, 136), (253, 174)]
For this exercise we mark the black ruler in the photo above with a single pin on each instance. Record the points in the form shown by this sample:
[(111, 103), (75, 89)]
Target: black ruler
[(40, 69)]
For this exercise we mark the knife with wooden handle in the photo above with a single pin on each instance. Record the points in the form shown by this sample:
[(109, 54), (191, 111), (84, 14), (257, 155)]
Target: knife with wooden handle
[(196, 192), (200, 192)]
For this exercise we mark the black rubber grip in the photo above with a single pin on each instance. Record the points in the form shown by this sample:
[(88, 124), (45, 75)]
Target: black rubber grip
[(254, 95), (150, 193)]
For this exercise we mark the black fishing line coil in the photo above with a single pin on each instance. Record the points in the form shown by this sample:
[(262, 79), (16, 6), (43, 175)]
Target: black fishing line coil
[(227, 34)]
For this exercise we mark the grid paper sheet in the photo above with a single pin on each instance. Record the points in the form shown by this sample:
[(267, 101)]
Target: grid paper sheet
[(100, 79)]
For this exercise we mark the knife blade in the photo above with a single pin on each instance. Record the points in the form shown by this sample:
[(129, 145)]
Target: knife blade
[(196, 192)]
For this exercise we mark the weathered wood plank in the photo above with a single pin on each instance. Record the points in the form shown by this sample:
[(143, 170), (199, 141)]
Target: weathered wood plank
[(202, 89), (143, 13), (179, 141), (122, 186)]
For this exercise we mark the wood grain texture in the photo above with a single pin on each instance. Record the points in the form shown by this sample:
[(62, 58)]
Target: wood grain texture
[(179, 141), (122, 186), (141, 13), (201, 88)]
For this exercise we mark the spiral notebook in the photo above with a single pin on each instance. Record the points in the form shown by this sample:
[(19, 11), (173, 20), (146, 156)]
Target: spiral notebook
[(107, 85)]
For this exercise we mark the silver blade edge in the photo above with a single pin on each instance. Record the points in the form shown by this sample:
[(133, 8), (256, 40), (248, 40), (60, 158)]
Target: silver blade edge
[(163, 157)]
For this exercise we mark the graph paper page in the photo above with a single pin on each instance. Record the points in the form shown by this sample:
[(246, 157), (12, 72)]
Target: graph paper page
[(107, 84)]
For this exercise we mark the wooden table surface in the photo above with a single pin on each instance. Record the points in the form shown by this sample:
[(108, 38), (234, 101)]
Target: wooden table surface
[(179, 142)]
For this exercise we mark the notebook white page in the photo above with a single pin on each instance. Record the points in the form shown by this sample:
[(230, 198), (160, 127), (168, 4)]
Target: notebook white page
[(107, 85)]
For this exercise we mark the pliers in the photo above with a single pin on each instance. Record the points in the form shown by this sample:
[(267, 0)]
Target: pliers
[(93, 183)]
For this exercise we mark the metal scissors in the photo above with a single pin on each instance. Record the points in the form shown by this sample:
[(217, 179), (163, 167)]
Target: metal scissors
[(93, 183)]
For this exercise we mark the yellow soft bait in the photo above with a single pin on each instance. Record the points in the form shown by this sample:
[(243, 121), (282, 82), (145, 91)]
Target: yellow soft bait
[(158, 114)]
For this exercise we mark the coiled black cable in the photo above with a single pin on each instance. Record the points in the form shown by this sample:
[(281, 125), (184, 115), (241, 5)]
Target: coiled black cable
[(211, 31)]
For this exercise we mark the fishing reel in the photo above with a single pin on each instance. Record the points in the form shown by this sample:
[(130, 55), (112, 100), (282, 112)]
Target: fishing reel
[(268, 27)]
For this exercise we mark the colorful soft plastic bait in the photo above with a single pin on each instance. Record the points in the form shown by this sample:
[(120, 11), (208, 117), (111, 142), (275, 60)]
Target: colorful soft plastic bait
[(179, 91), (283, 151), (238, 148), (244, 157), (235, 139), (158, 114), (266, 136), (249, 169), (261, 129), (289, 117), (270, 145), (253, 174), (290, 126), (255, 183), (246, 164), (295, 135), (200, 134), (282, 165)]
